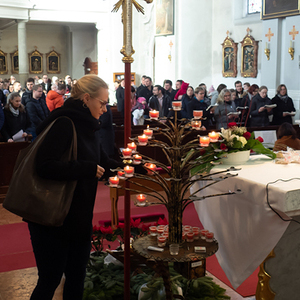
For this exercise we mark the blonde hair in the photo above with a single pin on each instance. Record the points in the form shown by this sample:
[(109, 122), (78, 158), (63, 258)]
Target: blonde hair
[(89, 84)]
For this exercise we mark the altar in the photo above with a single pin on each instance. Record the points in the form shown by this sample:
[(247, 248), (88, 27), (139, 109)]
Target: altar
[(244, 223)]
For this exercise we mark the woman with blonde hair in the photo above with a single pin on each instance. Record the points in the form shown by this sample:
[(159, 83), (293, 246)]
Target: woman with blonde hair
[(16, 118), (66, 249), (225, 106)]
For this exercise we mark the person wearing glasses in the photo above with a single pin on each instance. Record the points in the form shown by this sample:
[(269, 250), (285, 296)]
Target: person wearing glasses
[(66, 249)]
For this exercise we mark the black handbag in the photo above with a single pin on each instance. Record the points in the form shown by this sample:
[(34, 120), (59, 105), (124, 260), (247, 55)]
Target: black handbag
[(39, 200)]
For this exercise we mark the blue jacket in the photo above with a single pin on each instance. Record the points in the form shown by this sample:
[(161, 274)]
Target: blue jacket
[(37, 111)]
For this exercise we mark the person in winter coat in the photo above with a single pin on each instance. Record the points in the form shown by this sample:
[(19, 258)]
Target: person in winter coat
[(66, 249), (285, 109), (225, 106), (37, 108), (185, 100), (259, 112), (16, 119), (55, 99)]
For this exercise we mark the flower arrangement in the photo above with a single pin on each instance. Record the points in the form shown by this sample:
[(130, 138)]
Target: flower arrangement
[(237, 138), (231, 140)]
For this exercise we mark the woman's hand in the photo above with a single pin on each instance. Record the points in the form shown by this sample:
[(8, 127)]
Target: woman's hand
[(261, 109), (10, 140), (100, 171), (24, 134)]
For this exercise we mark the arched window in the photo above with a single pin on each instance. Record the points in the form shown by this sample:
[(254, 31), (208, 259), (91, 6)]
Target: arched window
[(254, 6)]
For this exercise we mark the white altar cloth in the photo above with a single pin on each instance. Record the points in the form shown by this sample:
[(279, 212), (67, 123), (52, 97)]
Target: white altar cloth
[(244, 225)]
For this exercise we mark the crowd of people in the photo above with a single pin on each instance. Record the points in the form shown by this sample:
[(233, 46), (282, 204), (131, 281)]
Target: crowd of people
[(248, 105), (23, 109)]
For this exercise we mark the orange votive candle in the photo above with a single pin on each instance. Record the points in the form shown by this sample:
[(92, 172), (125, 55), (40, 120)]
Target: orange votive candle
[(204, 141)]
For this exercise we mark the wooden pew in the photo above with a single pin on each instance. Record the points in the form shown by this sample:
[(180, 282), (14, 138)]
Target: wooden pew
[(8, 155)]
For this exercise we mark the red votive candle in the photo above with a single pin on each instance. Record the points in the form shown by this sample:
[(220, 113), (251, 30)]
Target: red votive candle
[(161, 241), (137, 159), (114, 181), (197, 114), (141, 199), (190, 237), (203, 233), (176, 105), (121, 174), (150, 168), (196, 125), (129, 170), (187, 228), (127, 152), (132, 146), (160, 230), (204, 141), (148, 132), (153, 230), (143, 140), (154, 114), (214, 136), (209, 236)]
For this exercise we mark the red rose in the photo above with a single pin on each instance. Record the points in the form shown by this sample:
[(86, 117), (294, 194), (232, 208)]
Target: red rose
[(232, 124), (247, 135), (260, 139), (223, 146)]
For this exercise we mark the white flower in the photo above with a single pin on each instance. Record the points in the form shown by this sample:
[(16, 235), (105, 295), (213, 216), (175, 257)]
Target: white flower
[(243, 141)]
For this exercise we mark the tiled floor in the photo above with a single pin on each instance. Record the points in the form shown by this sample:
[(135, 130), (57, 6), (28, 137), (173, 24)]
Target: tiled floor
[(18, 285)]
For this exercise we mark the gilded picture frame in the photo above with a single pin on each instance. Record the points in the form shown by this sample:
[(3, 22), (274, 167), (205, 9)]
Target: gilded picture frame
[(164, 17), (279, 8), (53, 62), (229, 58), (35, 62), (249, 57), (3, 63), (15, 62)]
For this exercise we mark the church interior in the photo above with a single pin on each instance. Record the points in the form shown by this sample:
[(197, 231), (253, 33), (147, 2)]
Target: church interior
[(185, 40)]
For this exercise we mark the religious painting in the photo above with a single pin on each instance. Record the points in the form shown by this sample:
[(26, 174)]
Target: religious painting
[(15, 62), (279, 8), (3, 62), (164, 17), (35, 62), (229, 58), (53, 62), (249, 57)]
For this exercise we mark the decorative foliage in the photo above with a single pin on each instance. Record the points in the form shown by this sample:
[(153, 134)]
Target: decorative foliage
[(231, 140), (106, 282), (101, 233)]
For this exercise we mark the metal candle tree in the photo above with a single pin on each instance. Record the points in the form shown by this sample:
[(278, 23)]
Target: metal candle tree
[(182, 158)]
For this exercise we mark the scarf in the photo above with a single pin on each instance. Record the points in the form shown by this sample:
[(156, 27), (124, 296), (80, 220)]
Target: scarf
[(15, 112), (283, 98)]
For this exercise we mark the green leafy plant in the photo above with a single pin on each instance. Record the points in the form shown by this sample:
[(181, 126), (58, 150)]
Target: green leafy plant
[(106, 282), (231, 140)]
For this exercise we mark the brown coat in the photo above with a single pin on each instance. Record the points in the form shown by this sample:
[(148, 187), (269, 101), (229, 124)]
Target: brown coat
[(286, 141)]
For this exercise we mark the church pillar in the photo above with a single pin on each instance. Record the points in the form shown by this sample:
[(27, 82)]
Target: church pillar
[(104, 55), (22, 49)]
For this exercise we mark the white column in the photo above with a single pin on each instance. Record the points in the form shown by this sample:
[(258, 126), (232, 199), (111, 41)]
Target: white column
[(23, 55)]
